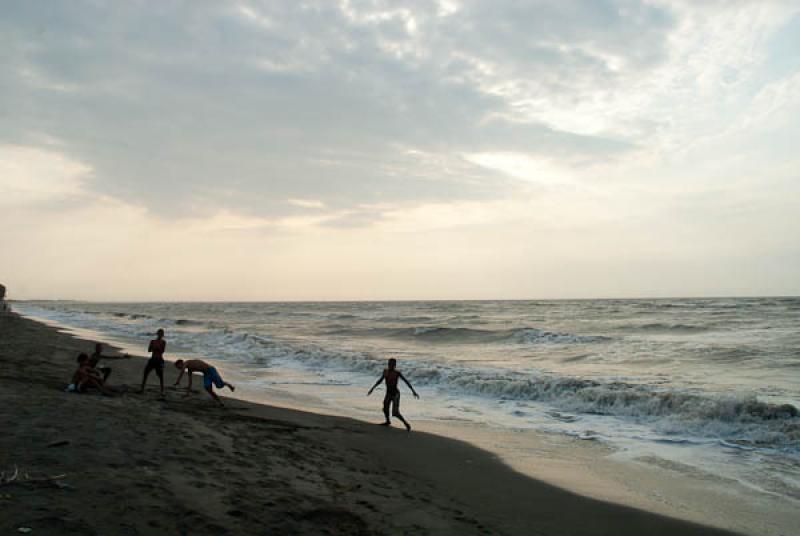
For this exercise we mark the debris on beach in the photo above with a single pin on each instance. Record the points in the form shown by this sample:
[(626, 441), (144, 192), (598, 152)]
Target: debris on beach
[(14, 478)]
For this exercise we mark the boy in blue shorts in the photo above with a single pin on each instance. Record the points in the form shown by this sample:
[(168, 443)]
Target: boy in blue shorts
[(211, 377)]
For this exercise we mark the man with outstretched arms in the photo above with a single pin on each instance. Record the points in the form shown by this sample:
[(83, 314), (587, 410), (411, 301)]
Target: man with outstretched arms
[(391, 375)]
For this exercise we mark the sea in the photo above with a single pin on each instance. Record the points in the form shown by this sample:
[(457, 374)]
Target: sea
[(712, 383)]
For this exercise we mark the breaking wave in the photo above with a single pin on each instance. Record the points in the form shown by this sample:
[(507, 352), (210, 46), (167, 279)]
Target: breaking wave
[(462, 335), (658, 327), (739, 418)]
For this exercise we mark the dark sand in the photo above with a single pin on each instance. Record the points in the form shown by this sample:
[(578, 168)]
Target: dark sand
[(137, 465)]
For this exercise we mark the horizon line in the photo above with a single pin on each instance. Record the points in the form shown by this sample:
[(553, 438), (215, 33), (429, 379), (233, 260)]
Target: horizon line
[(413, 300)]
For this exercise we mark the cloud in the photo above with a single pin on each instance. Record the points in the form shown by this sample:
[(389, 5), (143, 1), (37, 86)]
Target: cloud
[(306, 203), (456, 148), (34, 175), (187, 107)]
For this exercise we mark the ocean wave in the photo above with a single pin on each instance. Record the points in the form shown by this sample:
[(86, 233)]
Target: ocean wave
[(188, 322), (534, 335), (736, 418), (119, 314), (463, 335), (661, 327), (404, 319)]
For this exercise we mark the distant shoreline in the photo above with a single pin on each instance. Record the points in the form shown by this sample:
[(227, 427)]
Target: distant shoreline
[(421, 300)]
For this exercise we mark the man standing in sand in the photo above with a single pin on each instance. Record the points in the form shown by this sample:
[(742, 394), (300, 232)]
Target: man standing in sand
[(157, 348), (210, 377), (392, 398)]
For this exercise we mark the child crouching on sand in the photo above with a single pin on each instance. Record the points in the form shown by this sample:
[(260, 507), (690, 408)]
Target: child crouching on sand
[(391, 375), (210, 377)]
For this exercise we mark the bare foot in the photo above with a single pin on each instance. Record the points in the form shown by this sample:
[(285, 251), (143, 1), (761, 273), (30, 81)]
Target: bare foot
[(387, 423)]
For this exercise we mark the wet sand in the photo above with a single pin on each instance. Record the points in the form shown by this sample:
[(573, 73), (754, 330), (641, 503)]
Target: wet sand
[(134, 464)]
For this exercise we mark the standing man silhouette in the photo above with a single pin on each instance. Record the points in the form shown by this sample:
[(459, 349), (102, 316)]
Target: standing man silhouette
[(156, 362), (392, 398)]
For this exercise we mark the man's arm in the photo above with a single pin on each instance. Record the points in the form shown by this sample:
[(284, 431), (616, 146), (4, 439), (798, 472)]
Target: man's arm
[(189, 387), (178, 381), (409, 385), (123, 356), (377, 383), (150, 347), (95, 373)]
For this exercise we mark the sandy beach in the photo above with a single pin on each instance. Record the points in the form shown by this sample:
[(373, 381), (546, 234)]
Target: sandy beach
[(133, 464)]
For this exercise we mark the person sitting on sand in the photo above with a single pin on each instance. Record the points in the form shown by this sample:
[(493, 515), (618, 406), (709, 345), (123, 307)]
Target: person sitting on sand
[(210, 377), (86, 377), (95, 358), (157, 348), (392, 398)]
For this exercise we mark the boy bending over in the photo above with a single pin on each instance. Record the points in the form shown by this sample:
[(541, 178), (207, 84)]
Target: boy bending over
[(210, 377)]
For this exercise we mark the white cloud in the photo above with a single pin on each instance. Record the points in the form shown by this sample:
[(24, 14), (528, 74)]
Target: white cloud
[(31, 174), (524, 167), (306, 203)]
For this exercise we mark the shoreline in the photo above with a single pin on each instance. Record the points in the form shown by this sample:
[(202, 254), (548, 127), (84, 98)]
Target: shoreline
[(672, 483), (134, 465)]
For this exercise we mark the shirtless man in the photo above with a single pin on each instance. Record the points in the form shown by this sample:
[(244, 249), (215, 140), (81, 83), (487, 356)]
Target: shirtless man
[(210, 377), (95, 358), (94, 361), (157, 348), (392, 398), (86, 376)]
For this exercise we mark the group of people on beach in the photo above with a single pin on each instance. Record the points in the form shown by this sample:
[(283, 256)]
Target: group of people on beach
[(211, 377), (90, 375)]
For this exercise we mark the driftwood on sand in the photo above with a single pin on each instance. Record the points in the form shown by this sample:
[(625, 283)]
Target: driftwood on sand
[(14, 477)]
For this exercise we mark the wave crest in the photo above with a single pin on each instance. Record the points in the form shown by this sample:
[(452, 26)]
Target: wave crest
[(463, 335)]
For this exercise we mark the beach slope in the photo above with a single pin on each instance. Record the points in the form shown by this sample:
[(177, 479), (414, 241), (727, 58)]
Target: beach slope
[(133, 464)]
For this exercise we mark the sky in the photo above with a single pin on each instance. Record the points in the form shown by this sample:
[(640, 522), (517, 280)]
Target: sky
[(377, 150)]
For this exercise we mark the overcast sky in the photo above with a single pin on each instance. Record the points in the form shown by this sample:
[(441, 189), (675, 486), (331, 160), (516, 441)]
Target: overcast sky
[(399, 150)]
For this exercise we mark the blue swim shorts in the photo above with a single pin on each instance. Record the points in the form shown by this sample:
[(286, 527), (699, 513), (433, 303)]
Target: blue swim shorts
[(211, 376)]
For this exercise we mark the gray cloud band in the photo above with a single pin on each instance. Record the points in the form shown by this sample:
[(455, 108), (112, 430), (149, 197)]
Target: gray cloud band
[(195, 106)]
